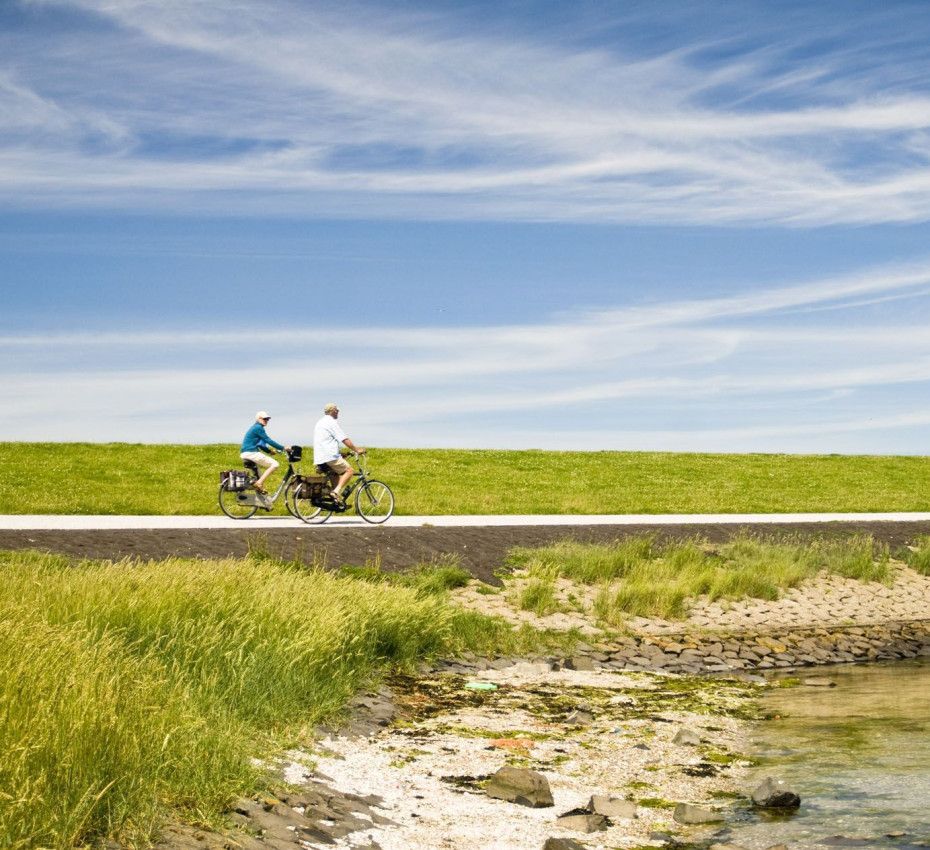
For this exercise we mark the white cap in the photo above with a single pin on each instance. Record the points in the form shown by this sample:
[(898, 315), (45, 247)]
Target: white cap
[(262, 415)]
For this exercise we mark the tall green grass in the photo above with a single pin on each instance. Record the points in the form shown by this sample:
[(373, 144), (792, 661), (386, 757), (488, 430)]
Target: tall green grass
[(919, 559), (639, 577), (129, 690), (428, 579), (539, 595), (119, 478)]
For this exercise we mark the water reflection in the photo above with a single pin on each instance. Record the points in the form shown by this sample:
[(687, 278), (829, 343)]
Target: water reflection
[(859, 756)]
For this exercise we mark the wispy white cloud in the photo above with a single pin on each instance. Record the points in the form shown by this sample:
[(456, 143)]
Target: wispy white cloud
[(709, 362), (855, 289), (867, 434), (353, 111)]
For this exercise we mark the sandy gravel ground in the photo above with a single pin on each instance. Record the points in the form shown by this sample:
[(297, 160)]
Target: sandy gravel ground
[(602, 738)]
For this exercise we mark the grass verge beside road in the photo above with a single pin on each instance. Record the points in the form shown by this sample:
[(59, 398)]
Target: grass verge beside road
[(117, 478)]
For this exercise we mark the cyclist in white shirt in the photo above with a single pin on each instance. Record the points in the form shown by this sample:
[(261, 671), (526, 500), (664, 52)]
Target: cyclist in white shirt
[(328, 436)]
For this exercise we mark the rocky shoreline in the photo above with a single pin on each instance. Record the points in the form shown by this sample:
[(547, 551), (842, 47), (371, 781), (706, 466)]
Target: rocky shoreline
[(411, 767), (611, 754), (639, 738)]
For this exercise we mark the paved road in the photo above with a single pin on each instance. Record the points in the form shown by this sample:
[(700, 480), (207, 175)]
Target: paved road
[(52, 522)]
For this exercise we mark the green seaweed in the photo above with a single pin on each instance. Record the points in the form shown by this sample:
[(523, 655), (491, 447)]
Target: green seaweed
[(655, 803)]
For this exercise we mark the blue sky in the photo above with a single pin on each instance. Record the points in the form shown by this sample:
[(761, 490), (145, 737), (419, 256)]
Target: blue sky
[(631, 225)]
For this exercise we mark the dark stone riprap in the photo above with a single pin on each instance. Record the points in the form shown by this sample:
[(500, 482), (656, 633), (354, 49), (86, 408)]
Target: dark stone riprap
[(703, 652)]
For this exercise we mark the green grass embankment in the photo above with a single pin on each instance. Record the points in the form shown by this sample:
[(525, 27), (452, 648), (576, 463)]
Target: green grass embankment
[(82, 478), (131, 691)]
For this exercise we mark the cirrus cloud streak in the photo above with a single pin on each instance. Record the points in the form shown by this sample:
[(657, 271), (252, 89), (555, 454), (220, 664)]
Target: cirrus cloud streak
[(309, 109)]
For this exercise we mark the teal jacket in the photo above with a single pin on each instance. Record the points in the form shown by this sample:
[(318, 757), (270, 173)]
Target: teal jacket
[(257, 439)]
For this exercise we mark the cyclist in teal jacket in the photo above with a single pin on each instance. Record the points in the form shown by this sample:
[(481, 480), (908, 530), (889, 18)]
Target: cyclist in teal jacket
[(254, 445)]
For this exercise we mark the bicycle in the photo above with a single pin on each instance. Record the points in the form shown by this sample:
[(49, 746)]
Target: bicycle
[(238, 503), (312, 496)]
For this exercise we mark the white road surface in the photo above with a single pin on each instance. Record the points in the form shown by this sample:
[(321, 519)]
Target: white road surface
[(89, 523)]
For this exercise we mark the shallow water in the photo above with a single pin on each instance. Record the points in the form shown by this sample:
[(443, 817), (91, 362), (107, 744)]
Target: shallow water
[(858, 754)]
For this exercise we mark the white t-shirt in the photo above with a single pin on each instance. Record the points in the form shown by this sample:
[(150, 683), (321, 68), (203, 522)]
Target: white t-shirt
[(327, 438)]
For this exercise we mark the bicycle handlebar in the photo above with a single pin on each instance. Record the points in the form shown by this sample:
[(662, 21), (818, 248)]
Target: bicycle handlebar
[(359, 460)]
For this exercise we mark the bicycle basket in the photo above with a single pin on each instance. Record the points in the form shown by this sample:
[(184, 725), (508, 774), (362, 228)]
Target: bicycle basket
[(234, 480), (295, 453)]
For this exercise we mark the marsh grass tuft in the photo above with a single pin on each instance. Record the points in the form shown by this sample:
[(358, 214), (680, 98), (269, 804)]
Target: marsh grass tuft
[(429, 579), (919, 558), (589, 563), (859, 558), (539, 596)]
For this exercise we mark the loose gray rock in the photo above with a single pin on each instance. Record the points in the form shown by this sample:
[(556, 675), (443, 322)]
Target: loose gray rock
[(579, 662), (582, 821), (774, 794), (726, 846), (687, 738), (580, 717), (562, 844), (612, 807), (688, 814), (521, 786)]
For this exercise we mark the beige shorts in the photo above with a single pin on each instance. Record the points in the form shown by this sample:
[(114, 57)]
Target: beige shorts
[(260, 458), (340, 465)]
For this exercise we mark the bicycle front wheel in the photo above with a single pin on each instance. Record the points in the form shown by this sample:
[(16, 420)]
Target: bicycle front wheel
[(303, 508), (374, 501), (232, 506)]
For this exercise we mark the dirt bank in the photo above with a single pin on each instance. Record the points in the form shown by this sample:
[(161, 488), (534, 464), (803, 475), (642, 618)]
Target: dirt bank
[(480, 550)]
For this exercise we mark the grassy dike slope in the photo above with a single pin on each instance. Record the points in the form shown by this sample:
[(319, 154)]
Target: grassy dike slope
[(121, 478)]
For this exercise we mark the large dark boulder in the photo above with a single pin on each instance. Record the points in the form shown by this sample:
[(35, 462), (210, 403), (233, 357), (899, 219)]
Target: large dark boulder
[(772, 793)]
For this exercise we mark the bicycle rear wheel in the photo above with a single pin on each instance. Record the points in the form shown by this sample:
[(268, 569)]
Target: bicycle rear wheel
[(374, 501), (303, 508), (289, 491), (231, 505)]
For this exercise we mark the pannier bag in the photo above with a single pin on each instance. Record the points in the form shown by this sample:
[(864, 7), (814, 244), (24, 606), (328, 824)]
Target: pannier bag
[(234, 480), (312, 486)]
